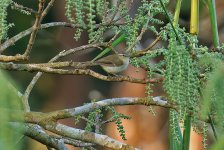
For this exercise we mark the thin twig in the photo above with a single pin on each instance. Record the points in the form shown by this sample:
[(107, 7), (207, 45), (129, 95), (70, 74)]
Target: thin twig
[(35, 27), (116, 10), (108, 121), (46, 10), (17, 57), (28, 90), (146, 50), (21, 7), (139, 37), (22, 34)]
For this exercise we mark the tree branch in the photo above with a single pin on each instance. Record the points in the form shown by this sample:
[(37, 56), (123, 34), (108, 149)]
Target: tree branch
[(69, 136), (86, 136), (37, 133), (156, 101), (49, 122), (39, 117), (41, 68), (22, 34)]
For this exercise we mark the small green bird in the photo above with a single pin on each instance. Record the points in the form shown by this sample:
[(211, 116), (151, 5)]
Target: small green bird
[(114, 63)]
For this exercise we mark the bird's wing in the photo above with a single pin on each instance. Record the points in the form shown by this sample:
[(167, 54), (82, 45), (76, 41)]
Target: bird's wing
[(109, 60)]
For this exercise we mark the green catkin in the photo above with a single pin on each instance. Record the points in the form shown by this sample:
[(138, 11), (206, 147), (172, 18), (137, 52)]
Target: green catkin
[(3, 14)]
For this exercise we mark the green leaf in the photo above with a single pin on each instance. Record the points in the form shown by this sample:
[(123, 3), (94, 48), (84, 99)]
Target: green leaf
[(114, 43), (9, 100), (187, 133), (213, 20)]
